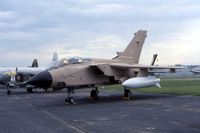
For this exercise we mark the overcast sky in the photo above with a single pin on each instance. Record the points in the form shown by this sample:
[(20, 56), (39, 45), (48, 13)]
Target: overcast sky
[(98, 28)]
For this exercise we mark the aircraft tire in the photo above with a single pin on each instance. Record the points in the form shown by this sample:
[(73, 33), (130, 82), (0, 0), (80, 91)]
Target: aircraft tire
[(93, 94), (30, 90), (9, 92), (127, 94), (66, 99), (70, 100)]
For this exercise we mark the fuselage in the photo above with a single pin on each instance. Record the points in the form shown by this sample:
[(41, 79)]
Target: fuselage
[(81, 75), (93, 71), (32, 70), (77, 75)]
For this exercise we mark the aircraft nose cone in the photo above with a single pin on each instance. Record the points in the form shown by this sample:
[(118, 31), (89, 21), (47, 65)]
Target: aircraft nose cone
[(42, 80)]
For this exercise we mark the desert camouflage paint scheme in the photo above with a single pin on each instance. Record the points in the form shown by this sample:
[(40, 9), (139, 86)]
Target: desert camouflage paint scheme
[(97, 72)]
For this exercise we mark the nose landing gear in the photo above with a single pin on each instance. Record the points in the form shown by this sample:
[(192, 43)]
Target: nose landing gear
[(70, 99)]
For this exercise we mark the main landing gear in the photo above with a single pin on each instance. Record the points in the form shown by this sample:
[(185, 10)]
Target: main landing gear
[(94, 93), (127, 94), (70, 99), (29, 89)]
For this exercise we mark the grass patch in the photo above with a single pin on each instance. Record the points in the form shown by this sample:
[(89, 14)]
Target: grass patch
[(169, 86)]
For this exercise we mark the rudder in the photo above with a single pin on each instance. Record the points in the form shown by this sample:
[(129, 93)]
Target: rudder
[(132, 52), (35, 63)]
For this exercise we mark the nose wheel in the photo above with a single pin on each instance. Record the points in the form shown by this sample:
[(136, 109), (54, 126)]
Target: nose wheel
[(70, 99), (8, 91)]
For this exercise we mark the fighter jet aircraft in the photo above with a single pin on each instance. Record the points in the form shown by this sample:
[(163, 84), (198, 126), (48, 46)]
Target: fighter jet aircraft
[(122, 69)]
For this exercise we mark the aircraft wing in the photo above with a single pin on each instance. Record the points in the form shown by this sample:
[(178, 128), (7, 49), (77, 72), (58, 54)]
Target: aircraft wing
[(121, 70), (109, 68), (123, 65), (102, 68), (144, 70)]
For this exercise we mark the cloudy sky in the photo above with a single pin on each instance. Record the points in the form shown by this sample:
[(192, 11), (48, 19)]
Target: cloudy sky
[(98, 28)]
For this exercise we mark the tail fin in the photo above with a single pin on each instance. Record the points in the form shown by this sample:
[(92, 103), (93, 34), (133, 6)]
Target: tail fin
[(154, 59), (55, 57), (132, 52), (35, 63), (53, 61)]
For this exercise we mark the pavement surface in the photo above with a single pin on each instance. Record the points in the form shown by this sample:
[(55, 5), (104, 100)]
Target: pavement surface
[(42, 112)]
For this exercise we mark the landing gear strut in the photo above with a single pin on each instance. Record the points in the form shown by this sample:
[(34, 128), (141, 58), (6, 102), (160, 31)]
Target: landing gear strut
[(127, 94), (94, 93), (8, 91), (70, 99)]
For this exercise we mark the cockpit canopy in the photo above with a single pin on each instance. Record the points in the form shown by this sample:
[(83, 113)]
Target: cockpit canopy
[(74, 60), (78, 60)]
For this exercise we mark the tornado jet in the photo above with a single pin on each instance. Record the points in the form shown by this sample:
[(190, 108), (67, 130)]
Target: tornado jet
[(92, 73)]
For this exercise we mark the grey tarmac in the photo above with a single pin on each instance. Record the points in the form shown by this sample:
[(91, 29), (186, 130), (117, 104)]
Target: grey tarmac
[(47, 112)]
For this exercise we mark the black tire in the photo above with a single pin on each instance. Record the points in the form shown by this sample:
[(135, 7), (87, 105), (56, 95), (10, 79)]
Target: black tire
[(9, 92), (93, 93), (71, 100), (127, 93), (67, 100), (30, 90)]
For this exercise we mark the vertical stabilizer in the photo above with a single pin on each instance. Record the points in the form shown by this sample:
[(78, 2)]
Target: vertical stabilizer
[(35, 63), (132, 52), (154, 59), (53, 61), (55, 57)]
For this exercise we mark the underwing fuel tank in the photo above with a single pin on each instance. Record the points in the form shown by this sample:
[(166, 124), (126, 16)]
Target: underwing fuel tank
[(140, 82)]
